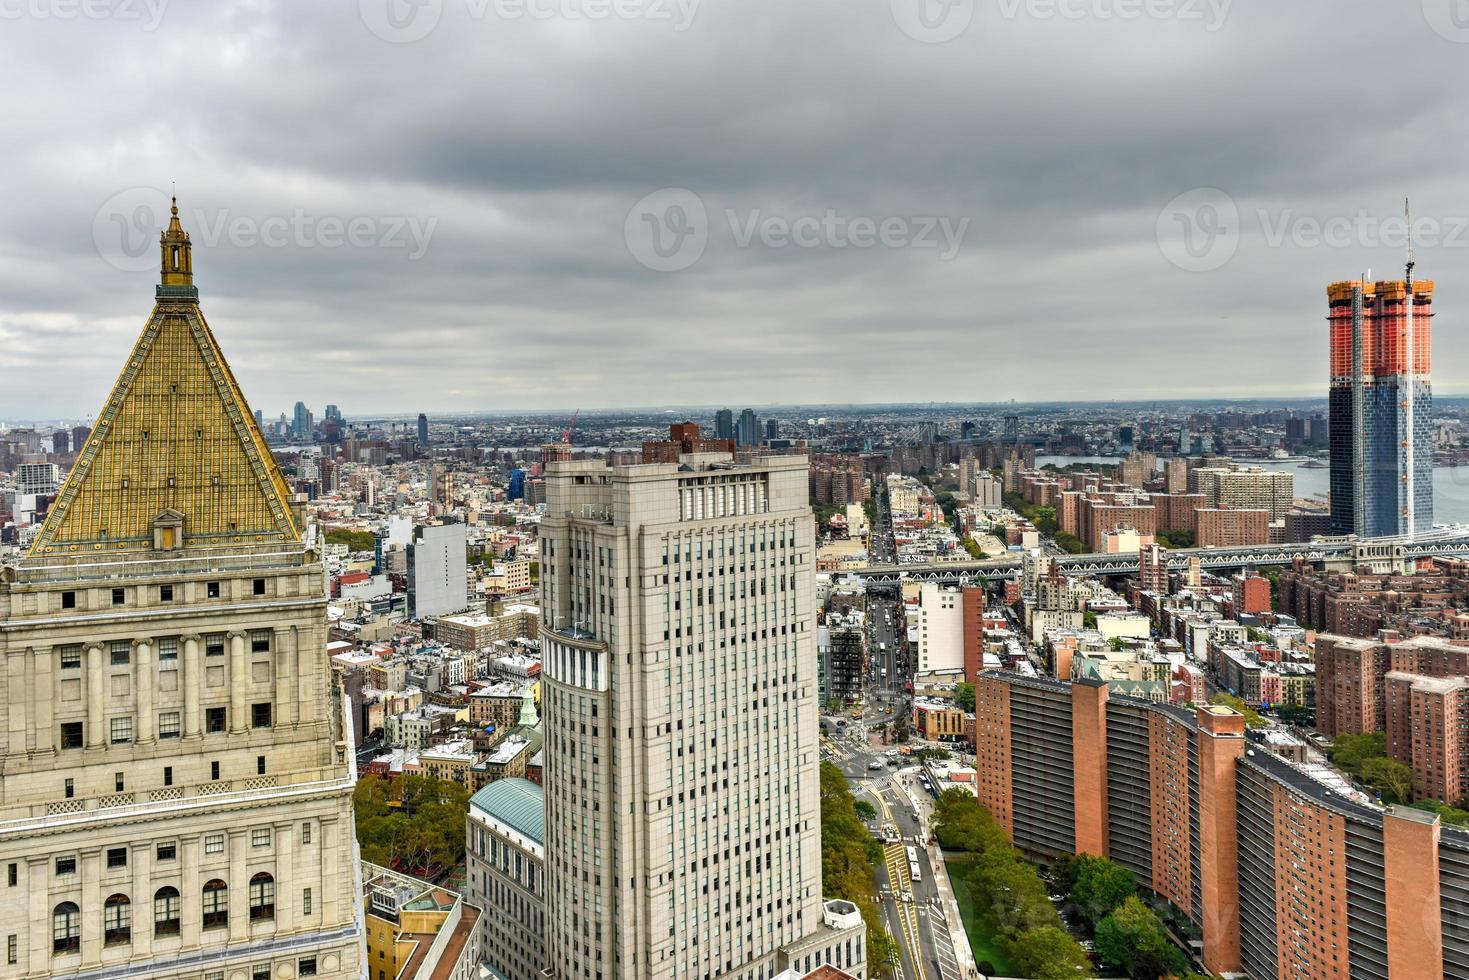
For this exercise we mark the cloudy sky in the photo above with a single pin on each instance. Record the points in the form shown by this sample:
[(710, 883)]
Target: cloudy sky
[(460, 204)]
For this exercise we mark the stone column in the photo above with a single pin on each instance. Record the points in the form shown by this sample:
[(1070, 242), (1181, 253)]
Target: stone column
[(238, 682), (191, 892), (193, 682), (239, 882), (44, 694), (94, 893), (37, 870), (96, 738), (16, 714), (141, 861), (287, 886), (144, 678), (284, 666), (29, 670)]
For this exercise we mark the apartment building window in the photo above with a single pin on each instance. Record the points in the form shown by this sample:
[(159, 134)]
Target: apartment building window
[(214, 645), (306, 901), (165, 593), (71, 657), (68, 600), (260, 837), (121, 730), (70, 788), (119, 596), (168, 724), (10, 949), (117, 857), (211, 589), (168, 852), (305, 967), (119, 782), (168, 653), (214, 770), (257, 587), (66, 865), (260, 715), (71, 735), (121, 652), (214, 719), (260, 641), (260, 971), (214, 843), (168, 775), (260, 765), (306, 833)]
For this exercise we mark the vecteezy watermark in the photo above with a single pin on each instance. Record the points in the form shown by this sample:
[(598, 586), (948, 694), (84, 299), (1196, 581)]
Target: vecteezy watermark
[(669, 229), (932, 21), (1448, 18), (126, 227), (147, 13), (1200, 230), (406, 21), (937, 21)]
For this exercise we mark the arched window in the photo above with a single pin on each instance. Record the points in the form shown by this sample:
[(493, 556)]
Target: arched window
[(66, 928), (117, 921), (216, 907), (262, 897), (166, 911)]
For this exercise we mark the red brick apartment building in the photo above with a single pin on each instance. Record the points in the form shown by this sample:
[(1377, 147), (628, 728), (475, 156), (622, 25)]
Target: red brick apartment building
[(1413, 690), (1281, 875)]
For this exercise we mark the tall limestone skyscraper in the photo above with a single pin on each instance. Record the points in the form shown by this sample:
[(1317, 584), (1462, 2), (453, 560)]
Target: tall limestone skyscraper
[(176, 795), (683, 812)]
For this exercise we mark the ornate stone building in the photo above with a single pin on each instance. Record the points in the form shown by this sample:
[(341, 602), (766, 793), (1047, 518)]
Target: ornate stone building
[(176, 796)]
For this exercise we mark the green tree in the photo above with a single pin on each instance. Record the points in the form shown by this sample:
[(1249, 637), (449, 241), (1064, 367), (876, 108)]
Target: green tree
[(961, 823), (1010, 893), (1049, 953), (1351, 752), (1133, 939), (866, 810), (1097, 886), (1390, 778), (354, 540), (1252, 717), (964, 696), (849, 855)]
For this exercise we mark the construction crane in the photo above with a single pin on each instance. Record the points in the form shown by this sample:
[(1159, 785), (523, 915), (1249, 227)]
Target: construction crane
[(570, 428)]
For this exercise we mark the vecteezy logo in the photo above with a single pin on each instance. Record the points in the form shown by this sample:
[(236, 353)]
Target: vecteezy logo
[(1448, 18), (125, 228), (932, 21), (1198, 231), (667, 230), (400, 21)]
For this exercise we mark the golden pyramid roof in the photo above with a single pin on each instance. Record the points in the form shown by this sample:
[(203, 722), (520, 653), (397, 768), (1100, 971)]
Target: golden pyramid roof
[(175, 438)]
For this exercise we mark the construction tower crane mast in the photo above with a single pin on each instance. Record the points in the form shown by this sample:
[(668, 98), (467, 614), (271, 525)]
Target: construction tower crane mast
[(570, 428)]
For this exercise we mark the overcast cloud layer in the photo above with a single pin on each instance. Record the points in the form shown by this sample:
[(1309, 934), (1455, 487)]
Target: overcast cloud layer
[(460, 204)]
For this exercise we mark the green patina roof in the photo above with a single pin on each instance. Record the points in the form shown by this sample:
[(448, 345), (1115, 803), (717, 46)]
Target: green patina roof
[(517, 802)]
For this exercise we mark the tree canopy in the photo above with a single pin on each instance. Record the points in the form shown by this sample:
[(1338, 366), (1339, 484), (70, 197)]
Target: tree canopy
[(411, 823)]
